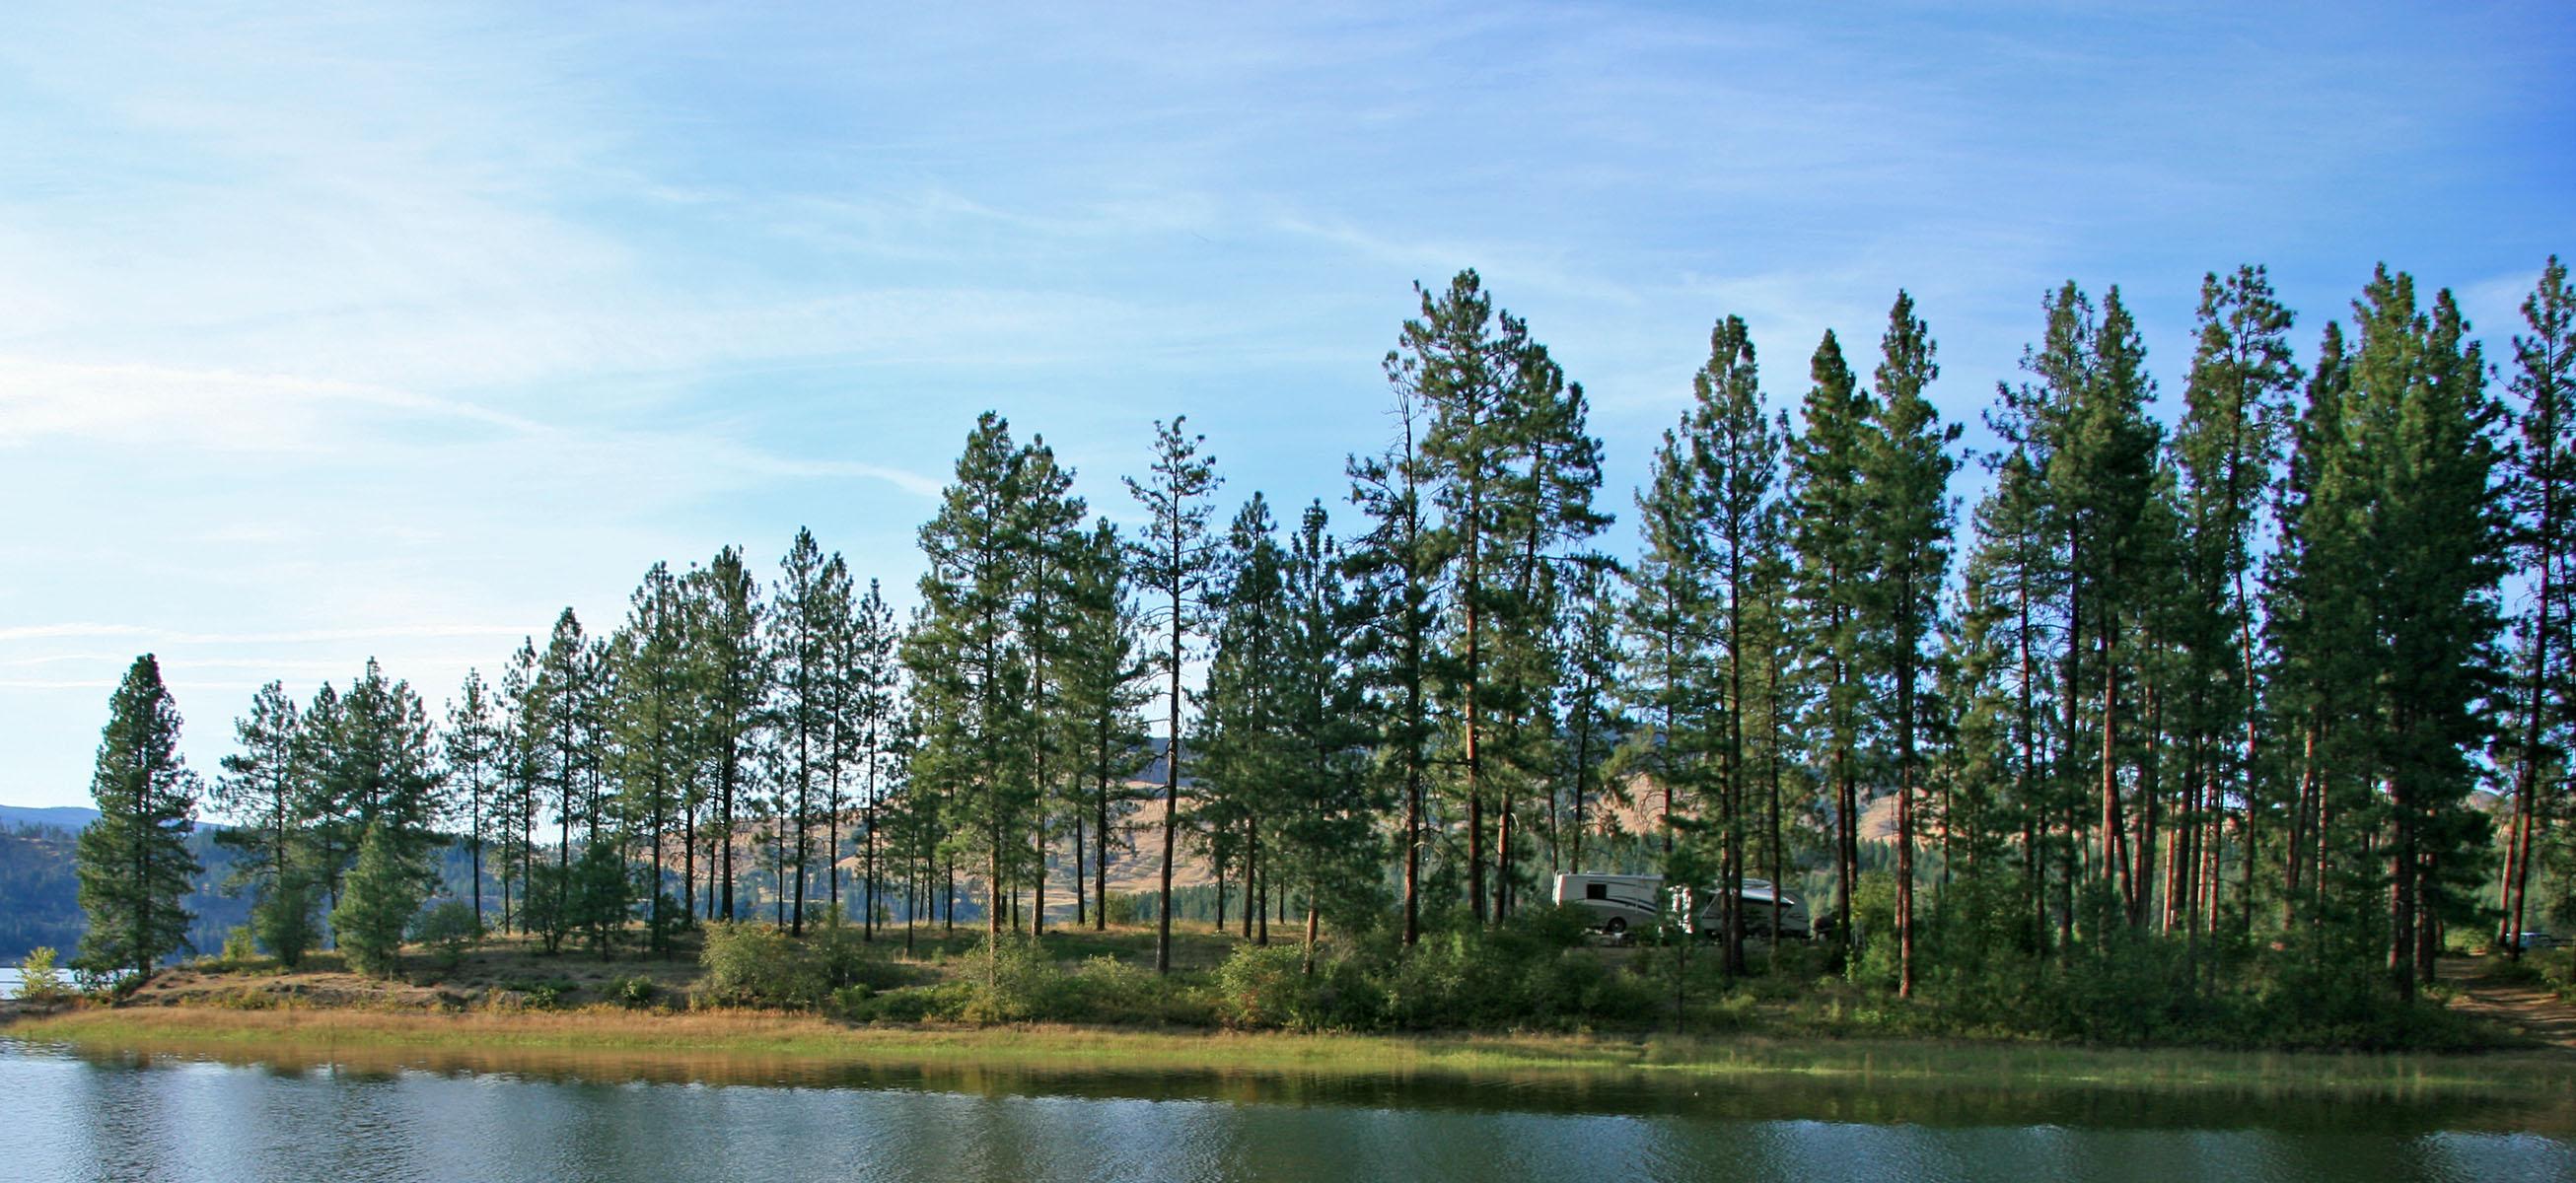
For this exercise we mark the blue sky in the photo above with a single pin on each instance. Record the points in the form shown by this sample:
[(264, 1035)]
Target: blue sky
[(393, 331)]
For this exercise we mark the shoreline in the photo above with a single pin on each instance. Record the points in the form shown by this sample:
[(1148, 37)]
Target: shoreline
[(774, 1040)]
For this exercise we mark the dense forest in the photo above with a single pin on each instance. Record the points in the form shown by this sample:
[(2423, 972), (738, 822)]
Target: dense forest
[(2198, 702)]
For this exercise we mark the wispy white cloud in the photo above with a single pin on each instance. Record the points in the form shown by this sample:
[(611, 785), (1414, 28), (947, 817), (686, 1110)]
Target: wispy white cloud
[(295, 637), (123, 402), (175, 685)]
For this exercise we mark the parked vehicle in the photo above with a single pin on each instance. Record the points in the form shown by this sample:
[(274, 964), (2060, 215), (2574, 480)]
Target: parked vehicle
[(1629, 903), (1619, 903), (2528, 941)]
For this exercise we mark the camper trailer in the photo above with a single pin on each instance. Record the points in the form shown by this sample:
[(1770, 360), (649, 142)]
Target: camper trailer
[(1618, 903), (1631, 903)]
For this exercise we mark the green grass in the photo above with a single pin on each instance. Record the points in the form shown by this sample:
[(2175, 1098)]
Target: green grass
[(714, 1044)]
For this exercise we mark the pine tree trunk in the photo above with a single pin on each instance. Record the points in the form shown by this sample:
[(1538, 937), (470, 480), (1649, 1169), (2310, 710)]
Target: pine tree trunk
[(2034, 876), (1771, 762), (2115, 844), (724, 823), (1905, 790), (1100, 862), (2150, 790), (2526, 776), (1171, 774), (2403, 867), (868, 857), (832, 839), (2073, 793)]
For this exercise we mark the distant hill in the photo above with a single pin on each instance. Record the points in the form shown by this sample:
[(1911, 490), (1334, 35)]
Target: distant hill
[(60, 817), (39, 902)]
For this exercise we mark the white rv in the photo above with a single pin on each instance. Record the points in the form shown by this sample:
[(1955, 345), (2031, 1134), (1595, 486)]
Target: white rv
[(1626, 903), (1618, 903)]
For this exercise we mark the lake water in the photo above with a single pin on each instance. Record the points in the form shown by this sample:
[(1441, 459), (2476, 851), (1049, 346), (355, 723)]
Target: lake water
[(437, 1116), (8, 983)]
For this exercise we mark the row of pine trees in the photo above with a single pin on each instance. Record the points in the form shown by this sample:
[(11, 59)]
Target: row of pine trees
[(2225, 678)]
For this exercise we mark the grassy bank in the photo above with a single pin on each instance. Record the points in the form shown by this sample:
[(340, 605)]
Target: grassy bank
[(711, 1043), (746, 1002)]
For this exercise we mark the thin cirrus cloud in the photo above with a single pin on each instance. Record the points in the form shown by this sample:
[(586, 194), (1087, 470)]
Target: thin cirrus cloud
[(206, 408), (154, 635)]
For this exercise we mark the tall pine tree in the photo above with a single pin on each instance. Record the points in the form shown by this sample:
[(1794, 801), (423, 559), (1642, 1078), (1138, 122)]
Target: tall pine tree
[(1171, 565), (133, 862)]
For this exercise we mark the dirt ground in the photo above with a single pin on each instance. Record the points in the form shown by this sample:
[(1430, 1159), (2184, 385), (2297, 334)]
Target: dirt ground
[(496, 972), (508, 969), (2529, 1008)]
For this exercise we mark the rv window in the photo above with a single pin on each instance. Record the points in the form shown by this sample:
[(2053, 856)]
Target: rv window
[(1596, 891)]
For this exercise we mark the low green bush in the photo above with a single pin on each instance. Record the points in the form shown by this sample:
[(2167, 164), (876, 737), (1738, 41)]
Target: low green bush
[(1013, 980), (633, 993), (1128, 908), (39, 980), (853, 1001), (750, 964), (1107, 990), (943, 1002), (1261, 987), (450, 929), (284, 923), (2557, 968), (1534, 972), (542, 993)]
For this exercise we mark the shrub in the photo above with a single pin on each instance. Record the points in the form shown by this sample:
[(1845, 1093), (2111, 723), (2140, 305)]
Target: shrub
[(239, 947), (1876, 955), (283, 921), (38, 979), (2557, 968), (1260, 987), (674, 914), (946, 1000), (542, 993), (633, 993), (602, 895), (845, 957), (550, 905), (1125, 908), (1370, 985), (106, 985), (1107, 990), (751, 964), (449, 929), (1529, 973), (851, 1002), (2524, 971), (245, 998), (1012, 981)]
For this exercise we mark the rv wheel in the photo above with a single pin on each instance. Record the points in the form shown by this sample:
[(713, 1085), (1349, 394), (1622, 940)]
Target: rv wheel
[(1615, 925)]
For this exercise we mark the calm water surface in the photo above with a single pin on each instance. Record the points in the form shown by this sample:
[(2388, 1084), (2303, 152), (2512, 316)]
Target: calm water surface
[(127, 1116)]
